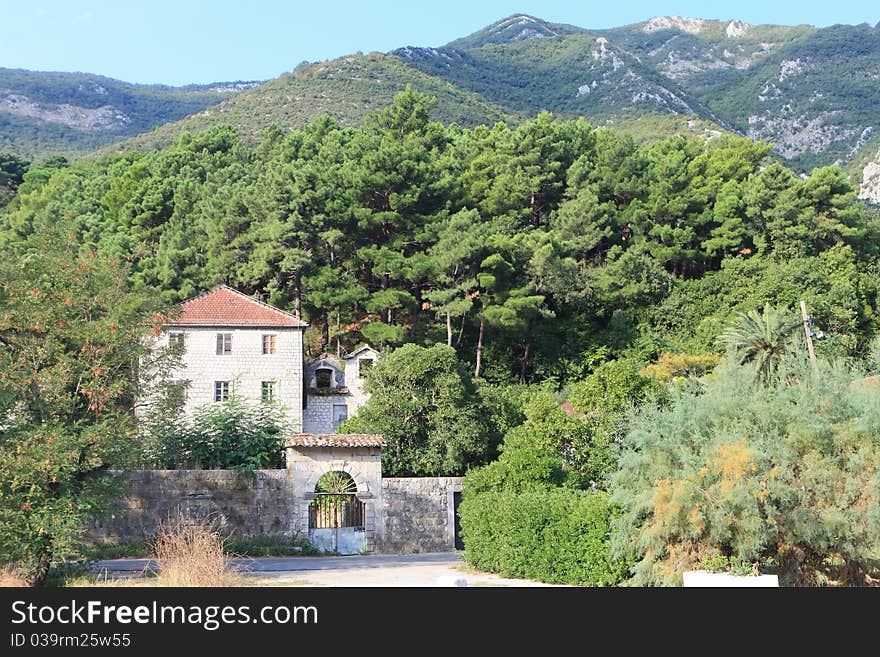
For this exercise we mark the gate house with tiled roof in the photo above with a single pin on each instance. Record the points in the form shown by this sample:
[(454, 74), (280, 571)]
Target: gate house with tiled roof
[(234, 344), (357, 457)]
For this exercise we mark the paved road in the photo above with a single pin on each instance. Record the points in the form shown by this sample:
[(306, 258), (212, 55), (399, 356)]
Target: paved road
[(435, 569), (290, 564)]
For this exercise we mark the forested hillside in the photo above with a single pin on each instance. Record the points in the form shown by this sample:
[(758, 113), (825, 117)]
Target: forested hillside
[(601, 335), (346, 89), (537, 250), (45, 113), (810, 92)]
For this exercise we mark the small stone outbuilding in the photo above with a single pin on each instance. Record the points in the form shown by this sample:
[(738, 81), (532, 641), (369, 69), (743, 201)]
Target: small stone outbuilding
[(335, 389)]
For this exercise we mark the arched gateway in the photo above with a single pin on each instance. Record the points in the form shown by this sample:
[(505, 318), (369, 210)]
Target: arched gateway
[(337, 482)]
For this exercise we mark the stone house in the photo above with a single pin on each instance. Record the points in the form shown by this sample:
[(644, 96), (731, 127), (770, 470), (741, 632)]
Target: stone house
[(331, 492), (233, 344)]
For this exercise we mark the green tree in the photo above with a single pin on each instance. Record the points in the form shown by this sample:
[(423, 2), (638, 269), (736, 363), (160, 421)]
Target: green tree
[(73, 349), (12, 170), (454, 259), (762, 339), (532, 453), (605, 400), (426, 406)]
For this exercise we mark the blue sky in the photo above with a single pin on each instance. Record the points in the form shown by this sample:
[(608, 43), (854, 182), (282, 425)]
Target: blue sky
[(190, 41)]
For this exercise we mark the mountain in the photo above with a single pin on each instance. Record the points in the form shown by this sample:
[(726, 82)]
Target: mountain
[(514, 28), (347, 88), (813, 93), (73, 113)]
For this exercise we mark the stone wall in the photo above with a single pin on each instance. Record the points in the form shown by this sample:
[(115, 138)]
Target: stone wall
[(418, 514), (307, 465), (319, 415), (241, 507), (404, 515)]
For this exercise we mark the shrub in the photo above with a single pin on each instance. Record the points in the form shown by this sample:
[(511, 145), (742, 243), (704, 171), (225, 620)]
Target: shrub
[(674, 367), (559, 536), (548, 449), (191, 553), (605, 398), (235, 435), (784, 475), (613, 387)]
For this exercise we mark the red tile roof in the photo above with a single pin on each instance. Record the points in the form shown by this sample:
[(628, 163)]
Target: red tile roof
[(224, 306), (335, 440)]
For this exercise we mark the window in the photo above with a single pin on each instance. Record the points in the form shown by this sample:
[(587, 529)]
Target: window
[(340, 414), (224, 343), (268, 344), (364, 366), (221, 391), (324, 378), (175, 339), (267, 392)]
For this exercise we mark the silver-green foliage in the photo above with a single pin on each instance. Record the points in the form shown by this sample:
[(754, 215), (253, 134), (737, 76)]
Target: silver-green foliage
[(785, 475)]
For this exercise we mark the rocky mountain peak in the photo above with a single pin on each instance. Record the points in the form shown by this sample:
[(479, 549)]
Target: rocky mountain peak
[(689, 25)]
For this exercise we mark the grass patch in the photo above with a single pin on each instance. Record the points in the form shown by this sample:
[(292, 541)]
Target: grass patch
[(12, 577), (192, 553), (269, 546)]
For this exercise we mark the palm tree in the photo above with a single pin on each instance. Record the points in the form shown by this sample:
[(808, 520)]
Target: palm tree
[(762, 338)]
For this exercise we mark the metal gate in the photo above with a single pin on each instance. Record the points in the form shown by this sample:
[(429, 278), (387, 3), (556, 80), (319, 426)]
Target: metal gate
[(337, 518), (335, 510)]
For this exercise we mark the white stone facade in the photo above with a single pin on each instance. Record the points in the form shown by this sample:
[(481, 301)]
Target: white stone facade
[(328, 406), (245, 367)]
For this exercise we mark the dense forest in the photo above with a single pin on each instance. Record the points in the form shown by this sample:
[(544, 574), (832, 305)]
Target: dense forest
[(537, 251), (598, 334)]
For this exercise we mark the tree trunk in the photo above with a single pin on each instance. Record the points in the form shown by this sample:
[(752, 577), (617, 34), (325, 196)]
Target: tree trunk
[(45, 562), (297, 294), (525, 358), (386, 283), (448, 329), (480, 347), (325, 331), (460, 331)]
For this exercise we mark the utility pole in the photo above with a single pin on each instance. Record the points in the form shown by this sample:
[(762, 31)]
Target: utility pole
[(807, 331)]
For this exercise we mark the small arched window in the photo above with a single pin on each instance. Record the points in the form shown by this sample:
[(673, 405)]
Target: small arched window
[(324, 378)]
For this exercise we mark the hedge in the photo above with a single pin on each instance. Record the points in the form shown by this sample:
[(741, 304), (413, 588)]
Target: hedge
[(559, 536)]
